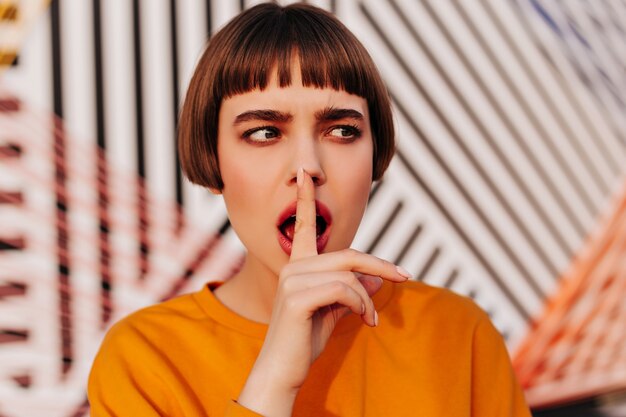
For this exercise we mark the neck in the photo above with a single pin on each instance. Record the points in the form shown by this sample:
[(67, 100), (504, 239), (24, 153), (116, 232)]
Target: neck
[(250, 293)]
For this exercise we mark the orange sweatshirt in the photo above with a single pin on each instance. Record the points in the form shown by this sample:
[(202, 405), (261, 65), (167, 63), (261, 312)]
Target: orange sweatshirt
[(433, 353)]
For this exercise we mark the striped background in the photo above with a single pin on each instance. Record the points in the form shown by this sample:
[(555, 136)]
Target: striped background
[(512, 146)]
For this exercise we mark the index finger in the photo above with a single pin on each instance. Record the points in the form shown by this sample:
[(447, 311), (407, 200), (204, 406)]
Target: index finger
[(305, 230)]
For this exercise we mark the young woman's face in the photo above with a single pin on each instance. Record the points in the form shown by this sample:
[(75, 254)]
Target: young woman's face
[(265, 136)]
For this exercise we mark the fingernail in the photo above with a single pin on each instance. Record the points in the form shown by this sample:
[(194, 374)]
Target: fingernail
[(300, 177), (375, 318), (406, 274), (362, 308)]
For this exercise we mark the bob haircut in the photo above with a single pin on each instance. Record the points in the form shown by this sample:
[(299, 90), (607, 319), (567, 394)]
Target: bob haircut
[(265, 38)]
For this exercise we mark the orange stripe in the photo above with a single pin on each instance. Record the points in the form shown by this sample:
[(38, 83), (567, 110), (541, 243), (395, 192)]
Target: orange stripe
[(568, 351), (8, 11)]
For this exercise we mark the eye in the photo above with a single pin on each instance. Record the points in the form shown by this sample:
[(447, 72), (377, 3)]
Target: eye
[(345, 133), (261, 134)]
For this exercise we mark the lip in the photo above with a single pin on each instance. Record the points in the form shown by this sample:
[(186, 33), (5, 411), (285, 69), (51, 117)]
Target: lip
[(290, 210)]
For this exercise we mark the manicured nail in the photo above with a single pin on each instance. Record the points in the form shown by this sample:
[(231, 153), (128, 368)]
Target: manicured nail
[(300, 177), (406, 274), (375, 318)]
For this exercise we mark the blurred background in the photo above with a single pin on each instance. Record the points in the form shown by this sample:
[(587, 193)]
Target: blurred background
[(509, 183)]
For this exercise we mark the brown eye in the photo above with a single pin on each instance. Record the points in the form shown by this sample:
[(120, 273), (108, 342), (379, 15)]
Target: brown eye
[(261, 134), (345, 132)]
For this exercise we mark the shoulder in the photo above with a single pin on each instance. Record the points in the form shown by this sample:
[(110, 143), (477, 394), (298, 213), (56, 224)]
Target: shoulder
[(421, 310), (138, 358), (418, 297), (139, 343), (158, 322)]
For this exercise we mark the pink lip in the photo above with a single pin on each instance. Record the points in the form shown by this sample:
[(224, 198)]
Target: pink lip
[(289, 211)]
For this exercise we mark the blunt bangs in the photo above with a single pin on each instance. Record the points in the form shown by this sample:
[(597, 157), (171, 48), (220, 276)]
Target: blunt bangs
[(277, 37), (266, 40)]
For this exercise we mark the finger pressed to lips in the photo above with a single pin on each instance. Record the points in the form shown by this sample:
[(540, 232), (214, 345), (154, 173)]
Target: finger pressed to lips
[(305, 230), (305, 243), (331, 277)]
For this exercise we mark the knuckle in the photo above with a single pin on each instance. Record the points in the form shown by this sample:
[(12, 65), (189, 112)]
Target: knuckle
[(339, 289), (292, 303), (287, 285), (383, 263), (350, 278), (351, 254)]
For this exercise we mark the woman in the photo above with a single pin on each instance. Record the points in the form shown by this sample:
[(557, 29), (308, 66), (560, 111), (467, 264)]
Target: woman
[(287, 117)]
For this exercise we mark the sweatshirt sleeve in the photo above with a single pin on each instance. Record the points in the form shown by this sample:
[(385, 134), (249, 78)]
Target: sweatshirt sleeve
[(495, 390)]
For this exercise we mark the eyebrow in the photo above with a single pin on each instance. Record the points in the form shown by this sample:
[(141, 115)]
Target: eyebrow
[(333, 113), (265, 115), (327, 114)]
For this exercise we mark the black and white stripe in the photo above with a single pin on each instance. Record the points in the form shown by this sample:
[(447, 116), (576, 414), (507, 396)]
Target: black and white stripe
[(523, 167), (511, 137)]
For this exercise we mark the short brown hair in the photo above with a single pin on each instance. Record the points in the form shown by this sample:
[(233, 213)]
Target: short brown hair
[(241, 55)]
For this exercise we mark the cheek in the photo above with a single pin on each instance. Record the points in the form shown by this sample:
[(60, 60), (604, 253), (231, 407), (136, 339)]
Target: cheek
[(248, 180), (357, 193), (358, 182), (239, 169), (233, 174), (353, 171), (242, 186), (241, 194), (354, 166)]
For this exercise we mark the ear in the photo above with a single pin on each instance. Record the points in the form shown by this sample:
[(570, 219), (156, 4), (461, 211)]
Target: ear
[(215, 191)]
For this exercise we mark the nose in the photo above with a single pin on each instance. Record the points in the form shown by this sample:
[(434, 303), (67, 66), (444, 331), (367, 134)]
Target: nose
[(306, 154)]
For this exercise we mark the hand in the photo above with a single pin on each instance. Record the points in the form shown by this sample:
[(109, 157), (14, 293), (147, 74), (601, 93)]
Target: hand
[(314, 293)]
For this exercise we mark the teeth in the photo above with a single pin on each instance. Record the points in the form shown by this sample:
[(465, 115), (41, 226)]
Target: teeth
[(288, 226)]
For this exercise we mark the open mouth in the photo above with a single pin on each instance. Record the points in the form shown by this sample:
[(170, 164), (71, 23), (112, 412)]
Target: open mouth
[(287, 228), (287, 223)]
